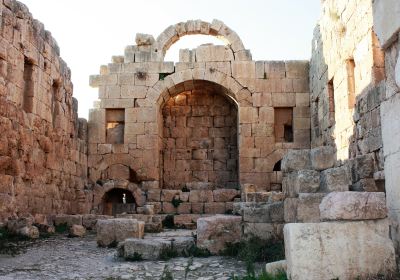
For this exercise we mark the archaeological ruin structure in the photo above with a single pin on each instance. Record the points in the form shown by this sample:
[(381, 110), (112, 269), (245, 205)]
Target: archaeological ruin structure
[(304, 151)]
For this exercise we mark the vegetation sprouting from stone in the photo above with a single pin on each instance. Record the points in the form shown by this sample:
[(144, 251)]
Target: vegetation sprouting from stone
[(176, 202), (168, 252), (254, 250), (167, 274), (136, 257), (281, 275), (61, 228), (197, 252)]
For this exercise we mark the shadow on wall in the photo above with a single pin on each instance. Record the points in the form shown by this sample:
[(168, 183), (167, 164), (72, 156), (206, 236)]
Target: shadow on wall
[(345, 105)]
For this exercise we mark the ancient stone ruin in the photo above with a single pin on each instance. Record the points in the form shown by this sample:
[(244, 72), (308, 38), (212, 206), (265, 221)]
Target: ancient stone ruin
[(301, 151)]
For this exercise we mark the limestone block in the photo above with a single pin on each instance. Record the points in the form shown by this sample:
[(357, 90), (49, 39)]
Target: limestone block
[(264, 231), (207, 53), (29, 232), (275, 69), (390, 119), (290, 210), (149, 249), (386, 20), (147, 209), (201, 196), (353, 206), (214, 208), (283, 99), (397, 71), (119, 171), (335, 179), (308, 207), (77, 231), (263, 213), (243, 69), (322, 157), (169, 195), (363, 166), (68, 220), (296, 160), (296, 69), (117, 230), (144, 39), (302, 181), (338, 250), (89, 221), (276, 267), (214, 232), (224, 195)]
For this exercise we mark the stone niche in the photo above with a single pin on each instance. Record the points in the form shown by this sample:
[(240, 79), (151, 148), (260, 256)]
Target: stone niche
[(200, 147)]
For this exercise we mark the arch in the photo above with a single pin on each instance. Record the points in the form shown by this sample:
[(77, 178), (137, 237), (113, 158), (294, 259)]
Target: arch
[(186, 80), (192, 27), (113, 202), (100, 191)]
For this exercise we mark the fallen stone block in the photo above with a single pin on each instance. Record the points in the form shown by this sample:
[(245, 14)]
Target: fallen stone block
[(303, 181), (29, 231), (276, 267), (264, 231), (263, 212), (335, 179), (338, 250), (116, 230), (225, 195), (68, 220), (77, 231), (89, 220), (214, 232), (322, 157), (353, 206), (296, 160), (153, 247)]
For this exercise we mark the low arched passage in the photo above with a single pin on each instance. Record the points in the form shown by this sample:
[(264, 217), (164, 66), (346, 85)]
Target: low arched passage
[(118, 201)]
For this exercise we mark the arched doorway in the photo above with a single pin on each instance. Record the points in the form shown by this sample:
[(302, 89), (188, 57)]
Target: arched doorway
[(118, 201), (200, 138)]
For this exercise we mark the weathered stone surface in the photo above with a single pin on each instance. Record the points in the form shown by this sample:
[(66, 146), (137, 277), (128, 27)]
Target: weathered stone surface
[(149, 249), (29, 231), (296, 160), (308, 207), (214, 232), (275, 267), (335, 179), (68, 220), (322, 157), (77, 231), (224, 195), (264, 213), (117, 230), (353, 206), (386, 20), (264, 231), (312, 250), (89, 220), (302, 181), (144, 39)]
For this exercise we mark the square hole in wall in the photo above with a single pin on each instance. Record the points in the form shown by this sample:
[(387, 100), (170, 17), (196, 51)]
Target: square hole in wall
[(283, 124), (115, 126)]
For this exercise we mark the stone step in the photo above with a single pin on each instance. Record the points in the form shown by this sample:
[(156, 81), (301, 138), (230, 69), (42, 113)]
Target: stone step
[(155, 245), (264, 196)]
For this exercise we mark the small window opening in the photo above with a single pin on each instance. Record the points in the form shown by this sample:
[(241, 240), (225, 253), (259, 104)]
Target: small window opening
[(54, 108), (277, 166), (115, 126), (283, 124), (331, 96), (350, 65), (28, 86)]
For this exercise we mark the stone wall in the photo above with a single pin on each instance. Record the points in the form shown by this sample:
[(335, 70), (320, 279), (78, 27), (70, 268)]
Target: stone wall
[(346, 81), (200, 141), (387, 25), (140, 84), (43, 162)]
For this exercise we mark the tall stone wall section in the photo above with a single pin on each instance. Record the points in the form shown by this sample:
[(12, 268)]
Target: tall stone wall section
[(271, 101), (347, 87), (387, 26), (43, 162)]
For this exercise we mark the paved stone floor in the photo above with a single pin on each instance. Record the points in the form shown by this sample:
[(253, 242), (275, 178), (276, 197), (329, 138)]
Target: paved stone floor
[(60, 257)]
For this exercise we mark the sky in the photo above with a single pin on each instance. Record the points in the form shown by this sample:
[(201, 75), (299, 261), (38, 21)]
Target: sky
[(90, 32)]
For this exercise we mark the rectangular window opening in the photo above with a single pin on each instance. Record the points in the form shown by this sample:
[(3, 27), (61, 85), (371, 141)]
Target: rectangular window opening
[(54, 108), (331, 96), (115, 126), (27, 102), (283, 124), (350, 65)]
